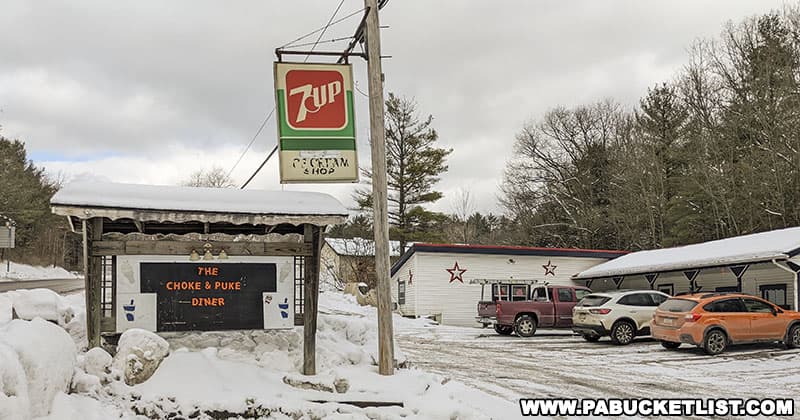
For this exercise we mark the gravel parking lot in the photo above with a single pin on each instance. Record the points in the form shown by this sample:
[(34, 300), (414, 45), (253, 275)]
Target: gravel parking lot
[(558, 364)]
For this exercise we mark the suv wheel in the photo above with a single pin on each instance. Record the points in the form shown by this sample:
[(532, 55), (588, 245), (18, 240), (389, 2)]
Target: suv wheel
[(793, 338), (591, 338), (622, 332), (715, 342), (525, 326), (503, 329), (670, 345)]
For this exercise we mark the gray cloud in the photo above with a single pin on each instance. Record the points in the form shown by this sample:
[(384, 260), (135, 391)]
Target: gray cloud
[(150, 83)]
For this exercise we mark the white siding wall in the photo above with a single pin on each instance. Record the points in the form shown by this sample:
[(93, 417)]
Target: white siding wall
[(409, 309), (456, 302), (709, 279)]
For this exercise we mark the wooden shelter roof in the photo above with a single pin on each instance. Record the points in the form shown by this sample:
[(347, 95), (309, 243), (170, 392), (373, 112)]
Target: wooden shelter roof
[(169, 209)]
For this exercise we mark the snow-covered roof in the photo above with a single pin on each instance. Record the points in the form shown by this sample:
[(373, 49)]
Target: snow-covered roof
[(359, 247), (179, 204), (764, 246)]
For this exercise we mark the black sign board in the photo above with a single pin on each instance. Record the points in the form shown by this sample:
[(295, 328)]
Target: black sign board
[(207, 296)]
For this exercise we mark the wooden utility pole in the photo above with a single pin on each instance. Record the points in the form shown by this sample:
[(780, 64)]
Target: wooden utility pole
[(379, 188)]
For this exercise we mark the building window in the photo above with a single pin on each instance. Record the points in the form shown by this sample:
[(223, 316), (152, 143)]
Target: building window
[(775, 293), (666, 288), (401, 293)]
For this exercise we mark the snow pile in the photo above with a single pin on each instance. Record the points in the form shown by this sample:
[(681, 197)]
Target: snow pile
[(258, 374), (6, 308), (139, 353), (29, 272), (37, 361), (37, 303)]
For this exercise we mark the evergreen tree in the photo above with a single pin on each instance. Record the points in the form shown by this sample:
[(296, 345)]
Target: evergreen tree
[(414, 164)]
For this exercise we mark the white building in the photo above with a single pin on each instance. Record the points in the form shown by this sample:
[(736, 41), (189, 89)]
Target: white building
[(763, 264), (434, 279)]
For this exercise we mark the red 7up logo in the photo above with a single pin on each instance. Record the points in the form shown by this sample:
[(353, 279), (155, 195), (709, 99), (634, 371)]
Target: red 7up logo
[(315, 99)]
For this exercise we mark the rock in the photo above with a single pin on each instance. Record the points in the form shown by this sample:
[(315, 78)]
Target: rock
[(139, 353), (315, 383), (98, 362), (341, 385)]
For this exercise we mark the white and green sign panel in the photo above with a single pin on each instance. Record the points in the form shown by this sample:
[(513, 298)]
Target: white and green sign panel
[(316, 124)]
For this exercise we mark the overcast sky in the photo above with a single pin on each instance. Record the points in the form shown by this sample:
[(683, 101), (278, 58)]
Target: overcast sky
[(148, 91)]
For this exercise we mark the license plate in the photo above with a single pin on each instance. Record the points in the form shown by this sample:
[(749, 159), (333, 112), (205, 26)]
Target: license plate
[(666, 321)]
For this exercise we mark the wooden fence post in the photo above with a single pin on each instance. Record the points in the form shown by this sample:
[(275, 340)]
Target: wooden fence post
[(311, 290)]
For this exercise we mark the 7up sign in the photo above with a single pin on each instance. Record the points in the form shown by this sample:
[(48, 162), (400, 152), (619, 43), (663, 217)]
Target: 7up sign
[(316, 128)]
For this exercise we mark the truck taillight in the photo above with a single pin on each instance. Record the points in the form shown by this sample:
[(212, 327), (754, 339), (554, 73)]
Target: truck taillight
[(601, 311), (692, 317)]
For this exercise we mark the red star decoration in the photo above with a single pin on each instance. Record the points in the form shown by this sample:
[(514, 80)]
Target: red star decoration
[(549, 268), (456, 273)]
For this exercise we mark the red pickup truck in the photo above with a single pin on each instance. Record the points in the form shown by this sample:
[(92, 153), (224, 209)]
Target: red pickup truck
[(546, 306)]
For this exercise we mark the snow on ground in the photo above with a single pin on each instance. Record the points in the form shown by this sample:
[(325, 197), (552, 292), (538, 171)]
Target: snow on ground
[(30, 272), (558, 364), (451, 372), (256, 374)]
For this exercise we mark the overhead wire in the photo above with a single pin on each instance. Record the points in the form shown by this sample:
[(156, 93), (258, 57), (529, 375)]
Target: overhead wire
[(322, 33)]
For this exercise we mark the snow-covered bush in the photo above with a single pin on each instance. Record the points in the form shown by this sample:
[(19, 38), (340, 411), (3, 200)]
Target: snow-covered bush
[(139, 352), (37, 361)]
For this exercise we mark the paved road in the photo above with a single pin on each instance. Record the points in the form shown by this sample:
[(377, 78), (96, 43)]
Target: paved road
[(558, 364), (56, 285)]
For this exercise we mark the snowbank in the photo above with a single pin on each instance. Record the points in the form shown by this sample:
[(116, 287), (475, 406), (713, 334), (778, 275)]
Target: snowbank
[(37, 361), (30, 272), (39, 303)]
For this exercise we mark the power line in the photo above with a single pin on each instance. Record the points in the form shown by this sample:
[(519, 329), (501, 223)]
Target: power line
[(322, 33), (289, 44)]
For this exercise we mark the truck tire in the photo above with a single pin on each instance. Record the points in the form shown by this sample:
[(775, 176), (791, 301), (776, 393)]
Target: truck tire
[(525, 326), (503, 329), (715, 342), (623, 333)]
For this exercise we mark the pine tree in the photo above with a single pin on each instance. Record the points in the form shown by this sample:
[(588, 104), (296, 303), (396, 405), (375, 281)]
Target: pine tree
[(414, 164)]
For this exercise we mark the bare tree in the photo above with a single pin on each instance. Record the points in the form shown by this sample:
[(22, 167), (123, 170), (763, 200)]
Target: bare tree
[(215, 177), (463, 206)]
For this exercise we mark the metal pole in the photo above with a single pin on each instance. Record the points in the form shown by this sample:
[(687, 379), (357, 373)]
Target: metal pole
[(379, 191)]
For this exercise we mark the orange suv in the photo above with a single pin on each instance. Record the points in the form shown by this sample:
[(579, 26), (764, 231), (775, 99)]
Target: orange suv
[(715, 320)]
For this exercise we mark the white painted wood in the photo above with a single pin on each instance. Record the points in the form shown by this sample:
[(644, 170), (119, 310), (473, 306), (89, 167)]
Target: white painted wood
[(456, 302)]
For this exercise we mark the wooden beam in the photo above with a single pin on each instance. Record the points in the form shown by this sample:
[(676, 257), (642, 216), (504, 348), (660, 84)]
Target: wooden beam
[(312, 236), (93, 284), (108, 324), (102, 248)]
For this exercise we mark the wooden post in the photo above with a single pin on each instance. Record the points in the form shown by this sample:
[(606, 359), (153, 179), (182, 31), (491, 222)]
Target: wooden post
[(92, 231), (310, 300), (379, 191)]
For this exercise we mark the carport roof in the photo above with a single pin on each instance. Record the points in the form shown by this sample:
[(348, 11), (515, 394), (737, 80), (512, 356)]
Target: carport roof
[(159, 203), (756, 247)]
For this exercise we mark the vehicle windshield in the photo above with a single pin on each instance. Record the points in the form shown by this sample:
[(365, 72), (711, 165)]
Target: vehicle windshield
[(677, 305), (593, 300)]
